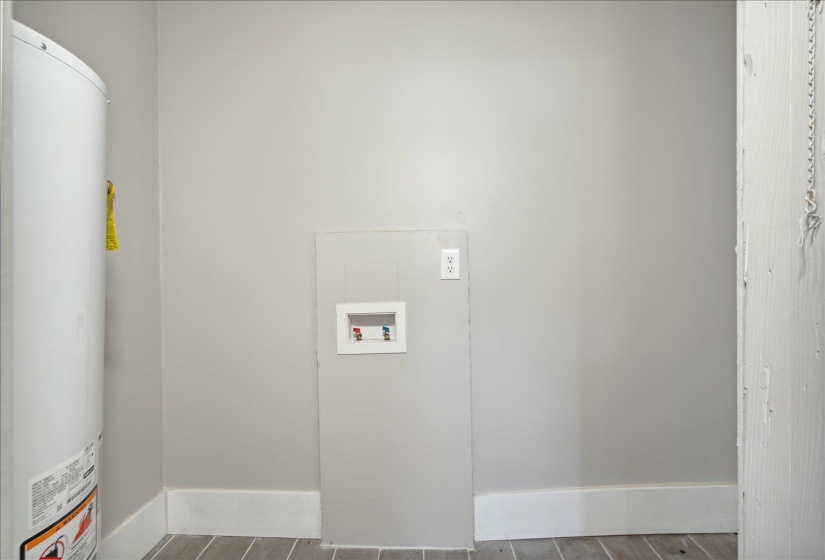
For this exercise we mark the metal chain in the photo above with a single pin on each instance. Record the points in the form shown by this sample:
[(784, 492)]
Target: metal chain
[(810, 220)]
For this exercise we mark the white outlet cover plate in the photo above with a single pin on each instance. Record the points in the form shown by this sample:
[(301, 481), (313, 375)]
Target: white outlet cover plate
[(347, 345), (450, 264)]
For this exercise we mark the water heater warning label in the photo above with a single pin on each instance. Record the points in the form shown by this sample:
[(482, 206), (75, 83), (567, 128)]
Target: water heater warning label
[(72, 537), (52, 492)]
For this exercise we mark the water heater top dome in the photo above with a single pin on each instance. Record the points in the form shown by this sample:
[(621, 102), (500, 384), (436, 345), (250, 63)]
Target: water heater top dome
[(38, 41)]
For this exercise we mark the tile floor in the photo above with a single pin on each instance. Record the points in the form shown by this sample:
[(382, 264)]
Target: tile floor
[(637, 547)]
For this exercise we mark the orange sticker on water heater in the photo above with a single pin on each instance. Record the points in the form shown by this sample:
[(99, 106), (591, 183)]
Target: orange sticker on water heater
[(72, 537)]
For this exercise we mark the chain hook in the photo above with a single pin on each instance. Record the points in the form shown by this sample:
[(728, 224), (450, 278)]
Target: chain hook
[(810, 199), (808, 223)]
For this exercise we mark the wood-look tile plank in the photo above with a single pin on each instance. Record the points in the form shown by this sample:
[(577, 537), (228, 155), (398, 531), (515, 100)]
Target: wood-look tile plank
[(405, 554), (227, 548), (356, 554), (492, 550), (445, 554), (721, 546), (581, 548), (311, 549), (270, 548), (184, 547), (536, 549), (676, 547), (628, 548), (157, 547)]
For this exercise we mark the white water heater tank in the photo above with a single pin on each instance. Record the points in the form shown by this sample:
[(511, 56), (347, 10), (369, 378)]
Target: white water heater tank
[(59, 108)]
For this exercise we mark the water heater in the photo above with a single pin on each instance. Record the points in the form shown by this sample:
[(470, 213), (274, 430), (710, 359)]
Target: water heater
[(59, 111)]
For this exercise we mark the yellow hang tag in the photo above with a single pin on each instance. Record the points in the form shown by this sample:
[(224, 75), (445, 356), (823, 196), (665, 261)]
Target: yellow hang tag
[(111, 228)]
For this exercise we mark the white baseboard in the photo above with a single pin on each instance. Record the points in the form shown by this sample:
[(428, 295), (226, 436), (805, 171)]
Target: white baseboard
[(619, 510), (244, 513), (136, 536)]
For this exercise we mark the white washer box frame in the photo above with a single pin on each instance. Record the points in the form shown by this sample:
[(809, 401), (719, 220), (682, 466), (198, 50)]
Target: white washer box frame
[(397, 346)]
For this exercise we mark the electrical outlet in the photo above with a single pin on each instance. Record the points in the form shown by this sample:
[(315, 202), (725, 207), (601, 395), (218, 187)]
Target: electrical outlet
[(450, 264)]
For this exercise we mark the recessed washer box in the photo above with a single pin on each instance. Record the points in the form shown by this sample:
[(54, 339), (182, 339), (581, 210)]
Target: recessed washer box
[(372, 328)]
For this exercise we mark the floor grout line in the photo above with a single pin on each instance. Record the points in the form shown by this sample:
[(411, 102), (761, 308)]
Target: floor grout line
[(700, 546), (656, 552), (604, 547), (513, 550), (204, 548), (164, 546), (291, 549), (557, 548), (334, 552), (249, 547)]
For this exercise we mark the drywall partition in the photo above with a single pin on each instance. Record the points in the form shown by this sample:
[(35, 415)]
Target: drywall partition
[(395, 428), (781, 289), (587, 147), (119, 40)]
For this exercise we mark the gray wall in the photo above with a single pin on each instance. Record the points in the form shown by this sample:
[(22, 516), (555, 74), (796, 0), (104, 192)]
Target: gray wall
[(588, 148), (119, 41), (396, 455)]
